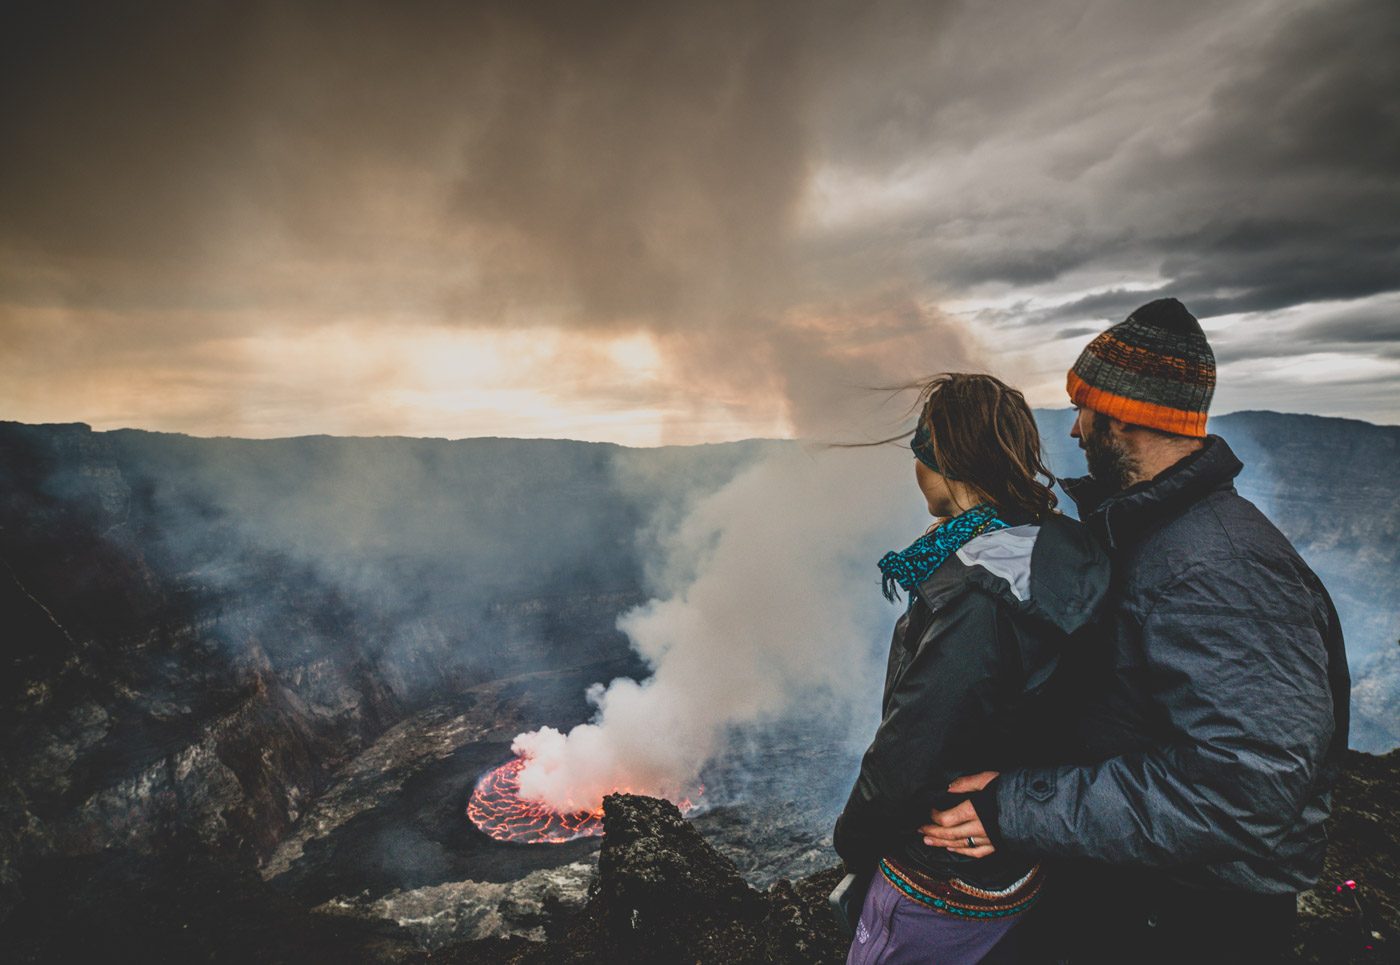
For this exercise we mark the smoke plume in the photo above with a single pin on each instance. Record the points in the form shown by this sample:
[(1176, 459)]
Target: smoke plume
[(783, 606)]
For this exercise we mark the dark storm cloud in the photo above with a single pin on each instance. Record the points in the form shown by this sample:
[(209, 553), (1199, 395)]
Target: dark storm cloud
[(607, 167), (623, 159), (123, 124), (1359, 328), (773, 191), (1303, 154), (1111, 306), (1372, 326), (1077, 332), (1280, 187), (1366, 326)]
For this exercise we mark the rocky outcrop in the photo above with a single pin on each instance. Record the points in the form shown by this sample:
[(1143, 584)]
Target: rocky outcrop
[(663, 894)]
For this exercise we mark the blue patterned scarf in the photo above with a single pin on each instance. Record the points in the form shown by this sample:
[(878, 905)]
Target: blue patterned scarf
[(927, 553)]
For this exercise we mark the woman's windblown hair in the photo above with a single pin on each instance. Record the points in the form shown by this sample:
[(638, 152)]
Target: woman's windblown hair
[(983, 434)]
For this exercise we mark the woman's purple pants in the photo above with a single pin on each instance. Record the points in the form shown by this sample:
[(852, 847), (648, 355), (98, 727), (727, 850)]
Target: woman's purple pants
[(895, 930)]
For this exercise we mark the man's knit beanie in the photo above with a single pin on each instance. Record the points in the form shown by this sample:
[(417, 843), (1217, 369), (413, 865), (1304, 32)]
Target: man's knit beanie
[(1155, 369)]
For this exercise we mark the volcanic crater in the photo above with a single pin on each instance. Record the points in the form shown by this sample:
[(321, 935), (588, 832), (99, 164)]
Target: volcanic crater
[(242, 717)]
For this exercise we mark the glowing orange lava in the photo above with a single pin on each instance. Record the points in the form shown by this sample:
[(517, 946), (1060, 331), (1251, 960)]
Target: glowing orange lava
[(496, 808)]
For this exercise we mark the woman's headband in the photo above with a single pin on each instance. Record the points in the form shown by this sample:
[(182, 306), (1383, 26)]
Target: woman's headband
[(922, 444)]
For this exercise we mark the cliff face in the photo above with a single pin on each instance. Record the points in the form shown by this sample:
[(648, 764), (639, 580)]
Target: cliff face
[(144, 700)]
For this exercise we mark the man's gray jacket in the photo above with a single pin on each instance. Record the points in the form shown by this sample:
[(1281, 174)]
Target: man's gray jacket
[(1217, 700)]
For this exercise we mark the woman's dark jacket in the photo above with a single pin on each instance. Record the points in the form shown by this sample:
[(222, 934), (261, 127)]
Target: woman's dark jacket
[(1217, 709), (969, 687)]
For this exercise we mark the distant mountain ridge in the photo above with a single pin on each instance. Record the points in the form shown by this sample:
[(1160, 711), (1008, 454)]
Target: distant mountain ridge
[(479, 519)]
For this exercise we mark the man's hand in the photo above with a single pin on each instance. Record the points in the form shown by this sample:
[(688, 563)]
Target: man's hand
[(972, 782), (952, 828)]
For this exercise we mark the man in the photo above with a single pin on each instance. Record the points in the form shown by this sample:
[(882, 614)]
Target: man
[(1215, 708)]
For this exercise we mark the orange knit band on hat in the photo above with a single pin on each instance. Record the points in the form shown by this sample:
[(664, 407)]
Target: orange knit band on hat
[(1137, 412)]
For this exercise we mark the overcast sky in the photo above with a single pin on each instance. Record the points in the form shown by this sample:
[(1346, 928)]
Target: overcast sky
[(687, 221)]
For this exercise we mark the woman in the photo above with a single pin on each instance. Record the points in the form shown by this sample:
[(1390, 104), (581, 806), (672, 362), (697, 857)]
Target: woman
[(997, 590)]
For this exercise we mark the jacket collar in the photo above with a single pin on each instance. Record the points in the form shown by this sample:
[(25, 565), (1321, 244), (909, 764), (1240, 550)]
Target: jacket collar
[(1122, 517)]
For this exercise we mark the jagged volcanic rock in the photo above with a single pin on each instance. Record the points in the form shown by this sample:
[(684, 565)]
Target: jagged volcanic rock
[(457, 911), (664, 894)]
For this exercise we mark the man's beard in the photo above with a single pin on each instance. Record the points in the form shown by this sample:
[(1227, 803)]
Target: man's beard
[(1109, 461)]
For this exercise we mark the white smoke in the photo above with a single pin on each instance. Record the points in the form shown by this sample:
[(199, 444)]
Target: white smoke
[(783, 605)]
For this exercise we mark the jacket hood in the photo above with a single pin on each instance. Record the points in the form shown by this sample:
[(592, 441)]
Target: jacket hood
[(1054, 571), (1121, 517)]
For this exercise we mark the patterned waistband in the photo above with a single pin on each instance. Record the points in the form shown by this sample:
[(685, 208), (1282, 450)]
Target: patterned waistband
[(959, 898)]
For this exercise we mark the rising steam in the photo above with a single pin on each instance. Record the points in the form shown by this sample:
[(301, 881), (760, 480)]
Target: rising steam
[(783, 606)]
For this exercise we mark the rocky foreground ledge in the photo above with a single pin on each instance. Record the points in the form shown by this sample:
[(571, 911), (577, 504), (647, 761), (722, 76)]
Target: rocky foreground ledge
[(663, 894)]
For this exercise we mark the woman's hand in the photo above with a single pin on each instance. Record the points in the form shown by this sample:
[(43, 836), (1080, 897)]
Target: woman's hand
[(954, 828)]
